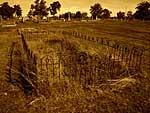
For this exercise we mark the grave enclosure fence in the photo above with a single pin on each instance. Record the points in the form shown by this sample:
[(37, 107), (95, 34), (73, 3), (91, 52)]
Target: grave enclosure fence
[(83, 68), (131, 56), (80, 67)]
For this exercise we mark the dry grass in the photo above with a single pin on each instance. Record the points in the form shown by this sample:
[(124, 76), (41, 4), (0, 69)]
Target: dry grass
[(127, 95)]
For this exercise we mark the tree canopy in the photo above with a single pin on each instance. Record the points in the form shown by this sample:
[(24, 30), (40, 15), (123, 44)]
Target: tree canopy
[(129, 15), (121, 15), (84, 15), (75, 16), (106, 13), (18, 10), (39, 8), (96, 10), (143, 11), (78, 15), (54, 7), (6, 11)]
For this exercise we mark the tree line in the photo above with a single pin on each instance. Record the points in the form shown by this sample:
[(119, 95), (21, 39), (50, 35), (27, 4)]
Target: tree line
[(40, 9)]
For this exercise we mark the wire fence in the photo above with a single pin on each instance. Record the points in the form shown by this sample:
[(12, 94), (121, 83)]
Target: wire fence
[(69, 64), (84, 68), (130, 55)]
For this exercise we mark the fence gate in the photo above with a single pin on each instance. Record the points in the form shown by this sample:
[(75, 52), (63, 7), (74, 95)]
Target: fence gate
[(50, 67)]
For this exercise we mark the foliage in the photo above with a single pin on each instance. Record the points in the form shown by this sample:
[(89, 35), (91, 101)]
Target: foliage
[(39, 8), (106, 13), (129, 15), (96, 10), (54, 7), (121, 15), (84, 15), (143, 11), (6, 11), (78, 15), (65, 15), (31, 12), (69, 15), (18, 10)]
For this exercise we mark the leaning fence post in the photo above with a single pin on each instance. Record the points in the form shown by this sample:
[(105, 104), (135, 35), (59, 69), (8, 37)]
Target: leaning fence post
[(108, 43), (97, 39), (140, 58), (102, 41), (140, 61), (88, 38), (41, 66), (130, 57), (122, 54), (126, 55), (116, 50), (135, 56)]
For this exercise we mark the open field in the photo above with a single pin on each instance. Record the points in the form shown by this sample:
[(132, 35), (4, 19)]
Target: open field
[(65, 89), (128, 34), (126, 31)]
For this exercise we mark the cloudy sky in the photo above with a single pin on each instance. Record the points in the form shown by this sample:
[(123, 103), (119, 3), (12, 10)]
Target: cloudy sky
[(82, 5)]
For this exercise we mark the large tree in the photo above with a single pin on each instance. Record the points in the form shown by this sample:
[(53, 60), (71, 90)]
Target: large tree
[(39, 9), (54, 7), (143, 11), (121, 15), (106, 13), (96, 11), (78, 15), (6, 11)]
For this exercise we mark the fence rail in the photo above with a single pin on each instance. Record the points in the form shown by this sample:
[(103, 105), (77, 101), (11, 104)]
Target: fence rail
[(81, 67), (130, 55)]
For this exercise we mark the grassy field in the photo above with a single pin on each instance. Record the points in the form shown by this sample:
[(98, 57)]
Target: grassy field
[(127, 95), (131, 32)]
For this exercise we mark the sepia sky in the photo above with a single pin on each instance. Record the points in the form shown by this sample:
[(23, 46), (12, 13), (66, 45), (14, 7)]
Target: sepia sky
[(82, 5)]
